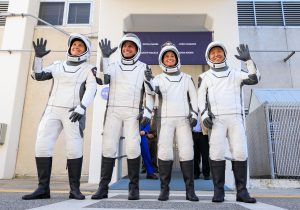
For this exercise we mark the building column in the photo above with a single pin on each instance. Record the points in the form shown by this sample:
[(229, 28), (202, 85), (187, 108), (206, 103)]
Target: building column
[(17, 35)]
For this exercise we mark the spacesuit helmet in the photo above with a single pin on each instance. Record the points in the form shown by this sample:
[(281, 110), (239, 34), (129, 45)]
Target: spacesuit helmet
[(84, 56), (133, 38), (166, 47), (208, 49)]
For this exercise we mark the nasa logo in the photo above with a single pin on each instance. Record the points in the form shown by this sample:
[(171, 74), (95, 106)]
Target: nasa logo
[(104, 93)]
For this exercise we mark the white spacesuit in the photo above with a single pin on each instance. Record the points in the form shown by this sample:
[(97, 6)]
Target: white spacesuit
[(221, 105), (178, 109), (74, 87), (126, 92)]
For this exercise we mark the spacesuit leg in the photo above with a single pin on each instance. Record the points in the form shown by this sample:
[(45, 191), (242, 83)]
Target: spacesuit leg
[(185, 140), (110, 145), (217, 159), (48, 132), (238, 146), (217, 139), (73, 137), (165, 142), (237, 137), (186, 155), (133, 151), (111, 135), (74, 148), (132, 137)]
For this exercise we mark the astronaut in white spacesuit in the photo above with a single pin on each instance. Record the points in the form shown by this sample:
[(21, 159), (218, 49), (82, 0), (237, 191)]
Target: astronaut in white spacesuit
[(179, 108), (74, 88), (221, 105), (126, 79)]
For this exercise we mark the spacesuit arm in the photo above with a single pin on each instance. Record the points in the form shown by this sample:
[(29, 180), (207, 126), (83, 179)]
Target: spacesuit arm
[(251, 77), (193, 99), (202, 103), (38, 72), (91, 87), (104, 73), (151, 86), (149, 104)]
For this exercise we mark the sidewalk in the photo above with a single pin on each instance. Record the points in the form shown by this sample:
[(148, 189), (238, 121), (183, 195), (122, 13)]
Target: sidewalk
[(259, 188)]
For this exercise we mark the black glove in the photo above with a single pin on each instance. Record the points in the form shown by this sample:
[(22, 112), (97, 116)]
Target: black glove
[(40, 48), (244, 54), (148, 73), (145, 121), (77, 113), (106, 48), (192, 120), (208, 120)]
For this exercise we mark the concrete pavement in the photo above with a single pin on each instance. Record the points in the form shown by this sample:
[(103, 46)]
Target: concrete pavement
[(12, 190)]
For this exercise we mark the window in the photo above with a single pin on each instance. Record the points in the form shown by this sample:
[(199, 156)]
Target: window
[(52, 12), (58, 12), (79, 13)]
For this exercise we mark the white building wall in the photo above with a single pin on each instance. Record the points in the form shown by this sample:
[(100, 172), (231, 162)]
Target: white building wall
[(275, 73), (17, 32)]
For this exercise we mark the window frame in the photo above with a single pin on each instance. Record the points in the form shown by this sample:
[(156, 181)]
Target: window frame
[(66, 12)]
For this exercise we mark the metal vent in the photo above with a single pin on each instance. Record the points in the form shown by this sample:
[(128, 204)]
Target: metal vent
[(292, 13), (269, 13), (3, 8), (3, 128), (246, 16)]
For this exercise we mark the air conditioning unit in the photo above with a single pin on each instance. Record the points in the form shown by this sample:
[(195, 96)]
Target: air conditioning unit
[(3, 128)]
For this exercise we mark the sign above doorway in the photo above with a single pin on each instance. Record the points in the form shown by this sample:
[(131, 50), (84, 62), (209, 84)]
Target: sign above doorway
[(191, 45)]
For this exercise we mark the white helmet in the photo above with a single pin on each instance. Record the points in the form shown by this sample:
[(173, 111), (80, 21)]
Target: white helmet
[(133, 38), (84, 56), (169, 46), (209, 47)]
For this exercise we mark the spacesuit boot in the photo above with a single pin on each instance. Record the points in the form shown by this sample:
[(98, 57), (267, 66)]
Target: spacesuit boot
[(107, 167), (44, 165), (133, 175), (165, 170), (74, 171), (218, 175), (187, 168), (240, 174)]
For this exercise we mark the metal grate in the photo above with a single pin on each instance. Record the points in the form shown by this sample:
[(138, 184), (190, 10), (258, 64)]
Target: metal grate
[(292, 13), (268, 13), (246, 15), (3, 8), (274, 140)]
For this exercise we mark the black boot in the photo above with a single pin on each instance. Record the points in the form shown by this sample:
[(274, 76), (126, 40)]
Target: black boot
[(187, 168), (240, 174), (165, 170), (43, 165), (74, 171), (107, 166), (133, 175), (218, 175)]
